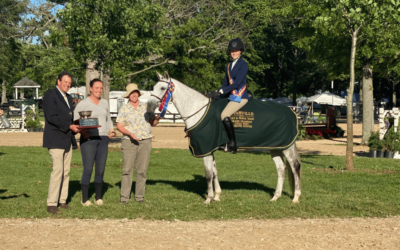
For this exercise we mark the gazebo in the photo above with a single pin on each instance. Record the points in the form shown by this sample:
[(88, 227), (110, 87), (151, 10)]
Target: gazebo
[(26, 83)]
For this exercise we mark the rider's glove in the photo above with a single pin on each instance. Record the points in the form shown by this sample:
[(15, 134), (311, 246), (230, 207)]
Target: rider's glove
[(214, 95)]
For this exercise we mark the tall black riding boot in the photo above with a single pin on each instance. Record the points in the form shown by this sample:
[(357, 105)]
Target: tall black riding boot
[(230, 131)]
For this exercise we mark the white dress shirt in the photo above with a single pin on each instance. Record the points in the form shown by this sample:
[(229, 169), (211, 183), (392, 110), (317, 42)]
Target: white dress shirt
[(65, 96)]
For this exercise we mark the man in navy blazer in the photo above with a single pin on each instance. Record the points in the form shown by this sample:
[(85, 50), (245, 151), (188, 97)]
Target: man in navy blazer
[(59, 138)]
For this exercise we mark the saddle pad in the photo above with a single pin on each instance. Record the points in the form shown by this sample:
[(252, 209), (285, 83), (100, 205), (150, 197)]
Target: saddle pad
[(258, 124)]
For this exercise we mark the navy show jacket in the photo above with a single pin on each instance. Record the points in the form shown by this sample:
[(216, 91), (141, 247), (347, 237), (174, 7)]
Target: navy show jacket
[(239, 77), (58, 118)]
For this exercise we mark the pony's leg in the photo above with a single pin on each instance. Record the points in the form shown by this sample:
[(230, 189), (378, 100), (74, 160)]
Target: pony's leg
[(280, 169), (217, 187), (208, 167), (293, 158)]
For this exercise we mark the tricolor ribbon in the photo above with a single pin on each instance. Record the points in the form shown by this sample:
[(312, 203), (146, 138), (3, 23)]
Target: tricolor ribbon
[(164, 103)]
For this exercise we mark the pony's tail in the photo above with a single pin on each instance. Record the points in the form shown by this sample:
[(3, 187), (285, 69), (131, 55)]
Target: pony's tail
[(297, 167)]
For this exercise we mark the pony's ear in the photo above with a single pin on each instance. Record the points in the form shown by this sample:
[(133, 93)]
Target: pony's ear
[(159, 76), (166, 76)]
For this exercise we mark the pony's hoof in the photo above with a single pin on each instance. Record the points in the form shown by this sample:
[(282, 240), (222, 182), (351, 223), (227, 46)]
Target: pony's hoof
[(295, 202), (216, 199), (274, 198), (207, 202)]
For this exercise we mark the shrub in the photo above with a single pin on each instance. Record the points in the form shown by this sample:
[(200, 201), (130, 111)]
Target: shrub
[(302, 132), (373, 140)]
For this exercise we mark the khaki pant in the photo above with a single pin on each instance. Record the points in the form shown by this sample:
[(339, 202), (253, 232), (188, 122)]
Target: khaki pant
[(136, 154), (59, 179), (232, 107)]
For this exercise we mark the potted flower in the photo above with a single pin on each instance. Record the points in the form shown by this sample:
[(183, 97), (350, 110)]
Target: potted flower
[(390, 142), (38, 126), (31, 125), (373, 143)]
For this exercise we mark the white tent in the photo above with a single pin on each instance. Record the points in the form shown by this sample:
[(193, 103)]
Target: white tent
[(77, 90), (327, 98)]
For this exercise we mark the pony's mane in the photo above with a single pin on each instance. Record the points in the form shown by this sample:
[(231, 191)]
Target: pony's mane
[(189, 87)]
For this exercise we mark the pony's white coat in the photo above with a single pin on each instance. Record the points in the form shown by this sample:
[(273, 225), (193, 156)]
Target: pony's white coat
[(188, 101)]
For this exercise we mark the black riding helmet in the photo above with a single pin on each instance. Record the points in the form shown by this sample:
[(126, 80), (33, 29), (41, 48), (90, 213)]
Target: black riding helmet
[(236, 44)]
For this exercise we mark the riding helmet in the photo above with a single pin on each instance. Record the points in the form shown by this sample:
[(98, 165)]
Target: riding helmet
[(236, 44)]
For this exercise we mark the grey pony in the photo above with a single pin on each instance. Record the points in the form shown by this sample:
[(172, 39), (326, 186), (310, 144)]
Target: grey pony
[(189, 101)]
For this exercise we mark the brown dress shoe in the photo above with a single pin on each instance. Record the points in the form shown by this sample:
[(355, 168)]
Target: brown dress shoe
[(53, 210), (65, 206)]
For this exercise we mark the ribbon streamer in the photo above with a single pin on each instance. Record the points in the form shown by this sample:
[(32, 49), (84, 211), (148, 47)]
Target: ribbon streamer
[(164, 103)]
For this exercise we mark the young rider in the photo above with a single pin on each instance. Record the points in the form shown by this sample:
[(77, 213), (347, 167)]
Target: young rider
[(234, 85)]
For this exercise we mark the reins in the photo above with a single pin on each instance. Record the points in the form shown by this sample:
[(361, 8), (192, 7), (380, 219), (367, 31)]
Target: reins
[(183, 118)]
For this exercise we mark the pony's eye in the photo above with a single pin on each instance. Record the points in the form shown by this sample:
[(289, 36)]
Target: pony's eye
[(163, 88)]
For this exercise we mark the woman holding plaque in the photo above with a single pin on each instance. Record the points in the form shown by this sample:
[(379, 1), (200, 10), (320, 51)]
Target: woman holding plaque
[(94, 141)]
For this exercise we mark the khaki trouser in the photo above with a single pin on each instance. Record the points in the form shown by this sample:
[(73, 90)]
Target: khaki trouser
[(59, 179), (232, 107), (136, 154)]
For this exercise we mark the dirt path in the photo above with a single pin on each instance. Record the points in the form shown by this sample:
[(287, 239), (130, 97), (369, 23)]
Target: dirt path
[(370, 233), (285, 234), (172, 136)]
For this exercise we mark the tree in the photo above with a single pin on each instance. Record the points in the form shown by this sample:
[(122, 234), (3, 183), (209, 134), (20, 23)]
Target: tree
[(356, 19), (10, 18), (127, 38)]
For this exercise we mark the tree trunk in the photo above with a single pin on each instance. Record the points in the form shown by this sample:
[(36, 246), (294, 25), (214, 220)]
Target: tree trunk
[(296, 72), (91, 73), (367, 104), (4, 92), (349, 100), (394, 94), (106, 86)]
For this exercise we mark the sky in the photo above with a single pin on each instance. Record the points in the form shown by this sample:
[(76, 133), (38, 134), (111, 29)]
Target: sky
[(37, 3)]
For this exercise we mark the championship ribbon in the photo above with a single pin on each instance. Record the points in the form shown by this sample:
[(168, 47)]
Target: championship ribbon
[(164, 103)]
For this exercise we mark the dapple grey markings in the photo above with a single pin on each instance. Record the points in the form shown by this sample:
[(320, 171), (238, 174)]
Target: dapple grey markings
[(189, 101)]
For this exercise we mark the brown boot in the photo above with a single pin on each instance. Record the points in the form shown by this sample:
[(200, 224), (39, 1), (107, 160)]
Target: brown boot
[(65, 206), (53, 210)]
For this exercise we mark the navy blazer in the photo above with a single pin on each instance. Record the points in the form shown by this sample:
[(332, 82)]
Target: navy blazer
[(239, 77), (58, 118)]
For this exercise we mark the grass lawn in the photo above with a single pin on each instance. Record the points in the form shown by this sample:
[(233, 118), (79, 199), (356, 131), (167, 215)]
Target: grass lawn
[(176, 187)]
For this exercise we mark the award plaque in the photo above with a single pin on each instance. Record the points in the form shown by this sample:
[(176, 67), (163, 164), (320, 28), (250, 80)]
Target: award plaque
[(86, 122)]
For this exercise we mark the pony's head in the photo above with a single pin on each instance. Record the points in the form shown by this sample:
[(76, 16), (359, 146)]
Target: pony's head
[(159, 91)]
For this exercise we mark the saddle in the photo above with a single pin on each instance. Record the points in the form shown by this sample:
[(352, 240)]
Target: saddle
[(258, 124)]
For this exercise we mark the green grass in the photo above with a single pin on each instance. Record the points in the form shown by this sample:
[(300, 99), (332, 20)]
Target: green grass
[(176, 187)]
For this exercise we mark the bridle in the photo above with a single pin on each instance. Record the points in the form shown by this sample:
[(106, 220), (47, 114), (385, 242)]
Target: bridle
[(183, 118)]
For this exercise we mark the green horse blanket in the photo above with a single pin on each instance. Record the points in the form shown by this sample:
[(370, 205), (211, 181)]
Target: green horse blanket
[(258, 124)]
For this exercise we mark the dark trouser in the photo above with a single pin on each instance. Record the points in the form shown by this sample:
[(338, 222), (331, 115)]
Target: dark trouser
[(94, 151), (136, 154)]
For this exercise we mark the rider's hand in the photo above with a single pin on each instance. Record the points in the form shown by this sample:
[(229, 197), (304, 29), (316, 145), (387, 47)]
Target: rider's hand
[(214, 95)]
